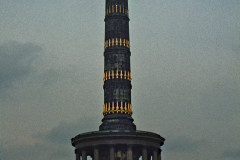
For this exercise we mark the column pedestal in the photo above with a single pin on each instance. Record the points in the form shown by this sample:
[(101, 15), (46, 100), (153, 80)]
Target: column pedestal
[(104, 145)]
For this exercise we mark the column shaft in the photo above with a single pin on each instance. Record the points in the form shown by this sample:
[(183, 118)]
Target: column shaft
[(77, 156), (96, 154), (159, 154), (129, 154), (155, 155), (84, 155), (144, 154), (112, 153)]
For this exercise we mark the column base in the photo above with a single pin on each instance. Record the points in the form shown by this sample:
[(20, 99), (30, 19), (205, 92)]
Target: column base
[(117, 122)]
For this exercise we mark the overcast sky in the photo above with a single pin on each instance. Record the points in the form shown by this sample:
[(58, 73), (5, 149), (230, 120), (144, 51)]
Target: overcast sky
[(185, 68)]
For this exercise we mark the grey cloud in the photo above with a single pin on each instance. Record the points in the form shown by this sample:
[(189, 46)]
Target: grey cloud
[(26, 152), (63, 133), (183, 144), (16, 61), (55, 144), (49, 77), (37, 151), (222, 102), (236, 49), (233, 154)]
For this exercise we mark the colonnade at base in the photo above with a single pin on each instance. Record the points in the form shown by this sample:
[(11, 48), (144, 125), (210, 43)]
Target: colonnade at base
[(119, 152), (118, 145)]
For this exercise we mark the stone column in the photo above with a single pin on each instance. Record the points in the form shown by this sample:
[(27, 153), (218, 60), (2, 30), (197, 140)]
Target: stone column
[(112, 153), (129, 153), (149, 156), (144, 154), (159, 154), (84, 155), (96, 154), (77, 156), (155, 155)]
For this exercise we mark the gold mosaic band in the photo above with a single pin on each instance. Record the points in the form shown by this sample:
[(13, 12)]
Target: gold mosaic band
[(117, 42), (117, 75), (116, 9), (118, 107)]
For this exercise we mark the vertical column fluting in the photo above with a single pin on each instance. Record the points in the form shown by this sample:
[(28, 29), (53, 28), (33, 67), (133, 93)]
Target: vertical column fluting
[(117, 71)]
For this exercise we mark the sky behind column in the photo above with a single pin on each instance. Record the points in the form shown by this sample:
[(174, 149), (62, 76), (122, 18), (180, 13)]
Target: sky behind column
[(185, 69)]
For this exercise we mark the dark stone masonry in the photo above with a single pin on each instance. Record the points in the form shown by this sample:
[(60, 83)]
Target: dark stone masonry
[(117, 138)]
